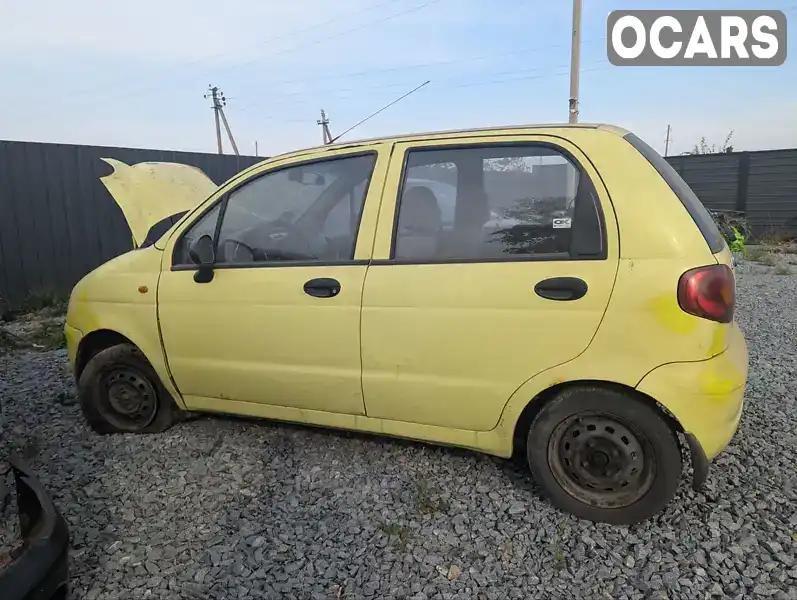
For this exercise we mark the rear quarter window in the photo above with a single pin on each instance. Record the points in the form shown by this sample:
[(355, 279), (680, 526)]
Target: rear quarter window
[(688, 198)]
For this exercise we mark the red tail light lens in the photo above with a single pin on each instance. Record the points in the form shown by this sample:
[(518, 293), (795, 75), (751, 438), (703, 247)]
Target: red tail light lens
[(709, 293)]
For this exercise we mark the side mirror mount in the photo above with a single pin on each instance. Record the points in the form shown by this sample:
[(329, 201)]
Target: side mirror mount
[(201, 251), (202, 254)]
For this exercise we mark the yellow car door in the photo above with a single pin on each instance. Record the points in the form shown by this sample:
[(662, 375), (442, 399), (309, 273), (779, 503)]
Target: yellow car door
[(460, 310), (259, 295)]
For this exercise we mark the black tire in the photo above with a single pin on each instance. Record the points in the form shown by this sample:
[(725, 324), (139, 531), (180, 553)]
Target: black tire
[(604, 455), (120, 392)]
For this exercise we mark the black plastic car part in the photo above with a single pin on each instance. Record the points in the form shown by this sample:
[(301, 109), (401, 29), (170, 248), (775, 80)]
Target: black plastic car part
[(41, 572)]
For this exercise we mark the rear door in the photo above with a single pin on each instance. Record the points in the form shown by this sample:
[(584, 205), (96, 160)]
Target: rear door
[(456, 316)]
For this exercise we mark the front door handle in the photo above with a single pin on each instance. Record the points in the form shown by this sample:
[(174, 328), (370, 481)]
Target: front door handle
[(323, 287), (561, 288)]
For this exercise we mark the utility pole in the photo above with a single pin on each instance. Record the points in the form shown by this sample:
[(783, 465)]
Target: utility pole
[(229, 133), (256, 154), (219, 102), (575, 62), (214, 94), (667, 142), (324, 123)]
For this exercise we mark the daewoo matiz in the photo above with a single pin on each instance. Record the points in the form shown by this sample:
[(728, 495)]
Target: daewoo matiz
[(575, 308)]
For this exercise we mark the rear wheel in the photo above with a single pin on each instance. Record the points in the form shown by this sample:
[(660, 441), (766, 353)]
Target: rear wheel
[(603, 455), (120, 392)]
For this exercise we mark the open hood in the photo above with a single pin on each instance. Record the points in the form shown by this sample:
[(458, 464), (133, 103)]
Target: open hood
[(151, 191)]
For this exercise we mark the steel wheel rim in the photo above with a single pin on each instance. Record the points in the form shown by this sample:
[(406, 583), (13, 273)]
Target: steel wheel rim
[(601, 460), (129, 398)]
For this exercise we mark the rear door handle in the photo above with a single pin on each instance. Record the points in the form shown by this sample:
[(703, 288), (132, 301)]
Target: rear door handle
[(323, 287), (561, 288)]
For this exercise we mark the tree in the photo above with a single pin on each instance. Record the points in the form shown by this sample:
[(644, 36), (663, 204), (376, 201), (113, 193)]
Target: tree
[(508, 163), (704, 148)]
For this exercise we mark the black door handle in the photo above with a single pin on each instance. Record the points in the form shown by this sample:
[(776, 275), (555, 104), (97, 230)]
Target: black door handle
[(561, 288), (323, 287)]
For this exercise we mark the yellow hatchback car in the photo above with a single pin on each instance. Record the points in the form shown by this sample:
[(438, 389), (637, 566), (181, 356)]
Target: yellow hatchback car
[(554, 292)]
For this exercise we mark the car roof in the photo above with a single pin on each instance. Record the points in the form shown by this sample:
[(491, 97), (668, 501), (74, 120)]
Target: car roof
[(453, 133)]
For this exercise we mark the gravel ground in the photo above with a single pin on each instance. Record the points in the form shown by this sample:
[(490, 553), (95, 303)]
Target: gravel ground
[(225, 508), (10, 537)]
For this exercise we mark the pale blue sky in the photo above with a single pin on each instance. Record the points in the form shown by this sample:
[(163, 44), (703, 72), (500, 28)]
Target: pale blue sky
[(133, 73)]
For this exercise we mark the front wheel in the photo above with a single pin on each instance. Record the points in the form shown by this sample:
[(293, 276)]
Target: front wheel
[(120, 392), (604, 455)]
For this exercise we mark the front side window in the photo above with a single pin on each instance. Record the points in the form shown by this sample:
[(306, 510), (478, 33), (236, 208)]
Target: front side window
[(309, 212), (205, 226), (494, 202)]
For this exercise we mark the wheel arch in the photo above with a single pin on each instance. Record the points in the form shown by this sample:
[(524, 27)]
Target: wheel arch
[(535, 405), (101, 339), (94, 343)]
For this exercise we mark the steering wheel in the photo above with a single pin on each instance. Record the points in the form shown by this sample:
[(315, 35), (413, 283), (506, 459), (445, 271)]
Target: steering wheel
[(281, 230), (236, 251)]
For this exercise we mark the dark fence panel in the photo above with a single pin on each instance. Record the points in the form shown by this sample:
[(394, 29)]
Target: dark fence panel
[(762, 185), (57, 220), (772, 192), (713, 177)]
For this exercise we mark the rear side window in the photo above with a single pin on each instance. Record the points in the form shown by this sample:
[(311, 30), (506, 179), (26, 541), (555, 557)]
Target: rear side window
[(496, 202), (691, 202)]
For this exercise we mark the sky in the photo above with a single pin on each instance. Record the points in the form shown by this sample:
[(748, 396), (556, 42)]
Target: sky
[(134, 73)]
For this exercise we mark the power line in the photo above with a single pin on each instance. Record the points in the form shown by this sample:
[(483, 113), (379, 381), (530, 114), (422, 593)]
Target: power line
[(432, 64), (327, 93), (434, 87), (139, 90), (419, 66), (204, 60), (527, 78)]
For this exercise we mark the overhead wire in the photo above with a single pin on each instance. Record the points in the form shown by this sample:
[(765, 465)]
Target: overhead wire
[(204, 60), (253, 109), (434, 63), (138, 90), (286, 98)]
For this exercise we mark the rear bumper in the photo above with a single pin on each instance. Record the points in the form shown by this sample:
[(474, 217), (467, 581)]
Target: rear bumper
[(41, 572), (705, 397)]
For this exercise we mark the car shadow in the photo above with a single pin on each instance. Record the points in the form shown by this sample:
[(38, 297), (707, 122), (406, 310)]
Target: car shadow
[(514, 469)]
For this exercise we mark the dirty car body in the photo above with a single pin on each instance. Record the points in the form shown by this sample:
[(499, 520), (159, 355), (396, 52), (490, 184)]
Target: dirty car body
[(575, 305), (40, 572)]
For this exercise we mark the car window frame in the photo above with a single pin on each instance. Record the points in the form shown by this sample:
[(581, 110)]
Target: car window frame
[(224, 197), (541, 257)]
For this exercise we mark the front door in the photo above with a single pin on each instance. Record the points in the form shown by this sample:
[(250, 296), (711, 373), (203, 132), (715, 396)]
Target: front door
[(464, 303), (279, 321)]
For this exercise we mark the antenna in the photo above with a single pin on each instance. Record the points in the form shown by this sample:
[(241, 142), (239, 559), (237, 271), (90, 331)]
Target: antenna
[(336, 138)]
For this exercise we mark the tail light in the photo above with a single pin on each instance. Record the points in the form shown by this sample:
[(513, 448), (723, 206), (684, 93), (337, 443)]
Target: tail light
[(708, 292)]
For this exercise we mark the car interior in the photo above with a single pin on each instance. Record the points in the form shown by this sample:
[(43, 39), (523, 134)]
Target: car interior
[(528, 227)]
